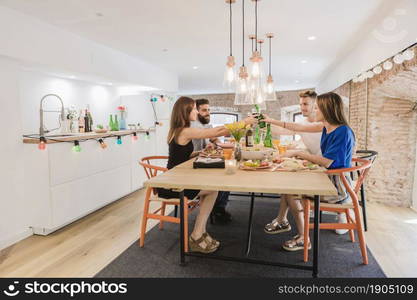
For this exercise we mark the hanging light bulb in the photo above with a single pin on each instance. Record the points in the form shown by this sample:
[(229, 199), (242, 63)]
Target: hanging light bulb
[(408, 54), (242, 88), (369, 74), (256, 68), (42, 143), (119, 140), (147, 137), (398, 59), (377, 70), (270, 94), (134, 137), (76, 148), (387, 65), (103, 145), (242, 84), (230, 73)]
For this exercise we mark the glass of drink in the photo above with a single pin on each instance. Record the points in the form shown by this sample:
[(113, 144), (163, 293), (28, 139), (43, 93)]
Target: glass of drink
[(276, 144), (282, 149), (230, 166), (227, 153)]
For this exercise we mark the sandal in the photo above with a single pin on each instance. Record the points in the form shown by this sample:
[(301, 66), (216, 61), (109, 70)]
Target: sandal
[(194, 245), (294, 245), (216, 243), (275, 227)]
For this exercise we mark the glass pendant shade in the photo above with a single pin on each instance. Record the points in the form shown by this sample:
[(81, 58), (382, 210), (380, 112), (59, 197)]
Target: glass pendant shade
[(270, 94), (229, 73), (256, 68), (242, 95)]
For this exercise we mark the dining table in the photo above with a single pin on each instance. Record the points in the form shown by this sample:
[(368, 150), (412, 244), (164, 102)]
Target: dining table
[(184, 176)]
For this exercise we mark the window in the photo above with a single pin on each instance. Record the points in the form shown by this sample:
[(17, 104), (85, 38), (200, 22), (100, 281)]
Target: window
[(221, 118)]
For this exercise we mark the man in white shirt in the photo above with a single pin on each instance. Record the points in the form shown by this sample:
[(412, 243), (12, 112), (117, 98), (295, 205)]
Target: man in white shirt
[(219, 210)]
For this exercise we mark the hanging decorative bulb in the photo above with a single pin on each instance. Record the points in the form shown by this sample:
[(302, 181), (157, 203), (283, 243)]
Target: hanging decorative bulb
[(119, 140), (103, 145), (398, 59), (242, 84), (270, 94), (256, 70), (387, 65), (377, 70), (76, 148), (369, 74), (42, 143), (147, 137), (230, 73), (408, 54), (134, 137)]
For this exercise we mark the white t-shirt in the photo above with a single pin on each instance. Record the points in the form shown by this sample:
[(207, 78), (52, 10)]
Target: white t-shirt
[(311, 139)]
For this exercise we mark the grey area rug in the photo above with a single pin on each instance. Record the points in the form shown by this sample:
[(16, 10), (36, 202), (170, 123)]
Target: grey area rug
[(159, 258)]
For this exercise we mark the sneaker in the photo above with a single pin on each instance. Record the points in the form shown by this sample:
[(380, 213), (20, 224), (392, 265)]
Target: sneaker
[(341, 218), (221, 215), (275, 227)]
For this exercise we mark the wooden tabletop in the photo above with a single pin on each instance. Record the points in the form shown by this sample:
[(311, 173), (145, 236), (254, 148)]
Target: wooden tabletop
[(185, 177)]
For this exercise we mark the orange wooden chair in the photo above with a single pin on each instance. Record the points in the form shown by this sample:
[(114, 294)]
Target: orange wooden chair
[(362, 167), (152, 170)]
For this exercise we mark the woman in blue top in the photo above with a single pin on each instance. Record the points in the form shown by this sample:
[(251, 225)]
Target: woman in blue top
[(337, 146)]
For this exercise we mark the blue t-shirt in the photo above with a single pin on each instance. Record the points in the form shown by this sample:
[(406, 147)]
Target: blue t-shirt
[(338, 146)]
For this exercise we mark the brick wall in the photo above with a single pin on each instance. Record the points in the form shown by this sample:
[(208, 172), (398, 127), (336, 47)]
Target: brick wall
[(381, 118)]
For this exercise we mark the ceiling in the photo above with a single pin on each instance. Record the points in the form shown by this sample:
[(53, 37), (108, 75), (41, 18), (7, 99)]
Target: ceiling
[(181, 34)]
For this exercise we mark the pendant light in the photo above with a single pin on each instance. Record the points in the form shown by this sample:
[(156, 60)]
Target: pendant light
[(242, 95), (230, 73), (255, 70), (270, 94)]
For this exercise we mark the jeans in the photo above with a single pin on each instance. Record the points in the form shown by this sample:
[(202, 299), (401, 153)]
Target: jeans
[(222, 199)]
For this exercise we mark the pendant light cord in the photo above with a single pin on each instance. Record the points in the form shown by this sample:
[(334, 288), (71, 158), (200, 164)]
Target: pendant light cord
[(256, 25), (270, 56), (243, 33), (230, 23)]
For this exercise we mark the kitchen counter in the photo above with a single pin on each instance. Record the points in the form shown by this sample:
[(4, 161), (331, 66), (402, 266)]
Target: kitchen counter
[(70, 137)]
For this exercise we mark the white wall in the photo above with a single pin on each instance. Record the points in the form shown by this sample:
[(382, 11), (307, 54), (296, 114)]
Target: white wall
[(397, 31), (13, 214), (33, 41)]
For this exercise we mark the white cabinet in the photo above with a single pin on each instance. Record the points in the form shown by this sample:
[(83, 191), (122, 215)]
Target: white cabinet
[(62, 186)]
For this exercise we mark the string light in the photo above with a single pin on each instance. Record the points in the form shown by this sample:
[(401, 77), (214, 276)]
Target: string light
[(103, 145), (134, 137), (76, 147), (42, 143), (119, 140), (147, 135)]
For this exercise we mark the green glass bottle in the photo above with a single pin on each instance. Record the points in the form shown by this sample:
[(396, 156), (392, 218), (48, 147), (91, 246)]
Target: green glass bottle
[(116, 123), (268, 137), (260, 117), (111, 123), (257, 137)]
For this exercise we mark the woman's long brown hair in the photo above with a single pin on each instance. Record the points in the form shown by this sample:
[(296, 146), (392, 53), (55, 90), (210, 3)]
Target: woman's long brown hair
[(331, 106), (180, 117)]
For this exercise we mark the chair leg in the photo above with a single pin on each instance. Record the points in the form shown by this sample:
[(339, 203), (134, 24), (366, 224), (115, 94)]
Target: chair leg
[(185, 224), (361, 235), (176, 211), (349, 220), (145, 217), (161, 223), (363, 202), (306, 204)]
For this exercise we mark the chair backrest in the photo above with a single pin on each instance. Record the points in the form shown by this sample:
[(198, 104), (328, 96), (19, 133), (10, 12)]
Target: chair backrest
[(362, 167), (367, 154), (152, 170)]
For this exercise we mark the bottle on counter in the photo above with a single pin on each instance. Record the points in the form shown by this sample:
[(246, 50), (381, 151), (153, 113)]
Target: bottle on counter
[(116, 123), (90, 118), (258, 115), (249, 138), (257, 138), (111, 123), (81, 122), (268, 137), (86, 122)]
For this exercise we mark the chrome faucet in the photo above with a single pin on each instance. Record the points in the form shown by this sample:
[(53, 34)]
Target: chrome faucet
[(42, 129)]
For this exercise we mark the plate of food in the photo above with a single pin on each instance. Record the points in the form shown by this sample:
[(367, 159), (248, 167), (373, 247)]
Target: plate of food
[(255, 165), (212, 152), (294, 164)]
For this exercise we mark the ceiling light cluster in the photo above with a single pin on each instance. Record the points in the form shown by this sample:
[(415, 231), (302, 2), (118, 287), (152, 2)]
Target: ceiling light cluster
[(399, 58), (250, 84)]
